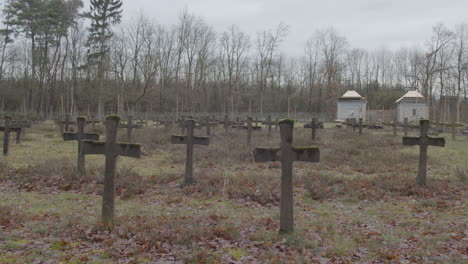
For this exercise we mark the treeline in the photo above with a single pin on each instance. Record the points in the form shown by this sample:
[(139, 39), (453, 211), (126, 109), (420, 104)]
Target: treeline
[(57, 57)]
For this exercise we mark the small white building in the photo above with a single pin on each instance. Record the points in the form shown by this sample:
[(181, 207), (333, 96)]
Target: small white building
[(412, 105), (351, 105)]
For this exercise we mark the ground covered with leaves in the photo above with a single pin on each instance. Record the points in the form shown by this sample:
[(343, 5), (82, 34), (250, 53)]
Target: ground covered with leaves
[(360, 204)]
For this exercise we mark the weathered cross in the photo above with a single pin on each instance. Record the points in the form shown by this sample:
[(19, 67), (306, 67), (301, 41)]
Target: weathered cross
[(7, 128), (23, 123), (92, 121), (423, 141), (208, 124), (287, 154), (111, 149), (269, 123), (64, 124), (405, 126), (79, 136), (189, 140), (182, 124), (313, 125), (249, 129), (129, 126)]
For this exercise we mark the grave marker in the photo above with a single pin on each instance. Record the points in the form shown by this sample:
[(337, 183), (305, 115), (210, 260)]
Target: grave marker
[(189, 140), (129, 126), (111, 149), (287, 154), (7, 128), (249, 129), (313, 125), (79, 136), (424, 141)]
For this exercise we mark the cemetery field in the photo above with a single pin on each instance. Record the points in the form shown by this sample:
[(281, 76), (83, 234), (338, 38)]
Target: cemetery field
[(360, 204)]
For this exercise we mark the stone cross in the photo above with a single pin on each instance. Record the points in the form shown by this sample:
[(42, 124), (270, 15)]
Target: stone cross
[(424, 141), (23, 123), (64, 124), (111, 149), (189, 140), (208, 125), (238, 123), (405, 126), (79, 136), (269, 123), (7, 128), (182, 124), (92, 121), (313, 125), (249, 129), (287, 154), (142, 123), (360, 126), (129, 126)]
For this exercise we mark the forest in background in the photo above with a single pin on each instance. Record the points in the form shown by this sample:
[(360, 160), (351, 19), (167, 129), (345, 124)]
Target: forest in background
[(57, 57)]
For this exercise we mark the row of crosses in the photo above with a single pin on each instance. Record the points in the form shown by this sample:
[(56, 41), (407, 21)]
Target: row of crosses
[(286, 154)]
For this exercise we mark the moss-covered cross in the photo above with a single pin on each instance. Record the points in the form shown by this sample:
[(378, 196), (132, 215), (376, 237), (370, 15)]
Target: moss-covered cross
[(287, 154), (111, 149), (79, 136), (7, 128), (129, 126), (424, 141), (189, 140)]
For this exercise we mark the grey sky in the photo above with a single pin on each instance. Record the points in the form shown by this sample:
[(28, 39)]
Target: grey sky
[(369, 24)]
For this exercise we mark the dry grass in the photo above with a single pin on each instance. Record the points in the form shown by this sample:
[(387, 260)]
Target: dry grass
[(365, 202), (61, 174)]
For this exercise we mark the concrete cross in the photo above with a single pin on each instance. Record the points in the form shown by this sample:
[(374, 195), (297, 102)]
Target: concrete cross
[(189, 140), (64, 124), (269, 123), (313, 125), (208, 124), (249, 129), (7, 128), (111, 149), (287, 154), (424, 141), (142, 123), (182, 124), (405, 126), (79, 136), (93, 122), (129, 126)]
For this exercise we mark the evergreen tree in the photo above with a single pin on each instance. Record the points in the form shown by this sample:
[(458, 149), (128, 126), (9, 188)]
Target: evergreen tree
[(103, 14)]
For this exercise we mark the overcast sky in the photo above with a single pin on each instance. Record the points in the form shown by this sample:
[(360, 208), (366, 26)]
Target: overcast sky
[(368, 24)]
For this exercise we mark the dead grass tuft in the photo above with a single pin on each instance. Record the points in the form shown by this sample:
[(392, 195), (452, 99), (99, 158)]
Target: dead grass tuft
[(61, 174)]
